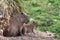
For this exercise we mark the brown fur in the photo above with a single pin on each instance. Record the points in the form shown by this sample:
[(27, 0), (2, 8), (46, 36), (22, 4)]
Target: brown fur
[(28, 28), (15, 22)]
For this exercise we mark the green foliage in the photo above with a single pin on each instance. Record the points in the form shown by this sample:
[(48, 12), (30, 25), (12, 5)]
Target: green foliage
[(45, 12)]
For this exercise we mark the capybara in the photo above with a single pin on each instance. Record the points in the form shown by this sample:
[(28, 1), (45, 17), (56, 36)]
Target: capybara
[(15, 22), (28, 28)]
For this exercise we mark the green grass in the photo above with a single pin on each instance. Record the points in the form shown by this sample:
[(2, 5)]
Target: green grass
[(45, 12)]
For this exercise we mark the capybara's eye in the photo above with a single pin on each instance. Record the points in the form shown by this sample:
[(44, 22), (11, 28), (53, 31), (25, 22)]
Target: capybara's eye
[(22, 13)]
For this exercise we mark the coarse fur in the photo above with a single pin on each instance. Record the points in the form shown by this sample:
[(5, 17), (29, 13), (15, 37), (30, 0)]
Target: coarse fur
[(28, 28), (15, 22)]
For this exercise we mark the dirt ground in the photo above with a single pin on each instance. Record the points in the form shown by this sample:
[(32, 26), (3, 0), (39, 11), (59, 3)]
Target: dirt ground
[(31, 36)]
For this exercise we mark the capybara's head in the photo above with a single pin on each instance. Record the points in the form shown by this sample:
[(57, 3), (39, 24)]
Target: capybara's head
[(34, 24), (23, 18)]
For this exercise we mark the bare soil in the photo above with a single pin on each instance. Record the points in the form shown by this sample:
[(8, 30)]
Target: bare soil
[(36, 36)]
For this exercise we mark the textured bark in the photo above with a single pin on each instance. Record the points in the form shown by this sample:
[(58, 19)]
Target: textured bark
[(7, 8)]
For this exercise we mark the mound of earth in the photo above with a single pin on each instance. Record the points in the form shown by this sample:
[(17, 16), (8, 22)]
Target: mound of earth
[(31, 36)]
